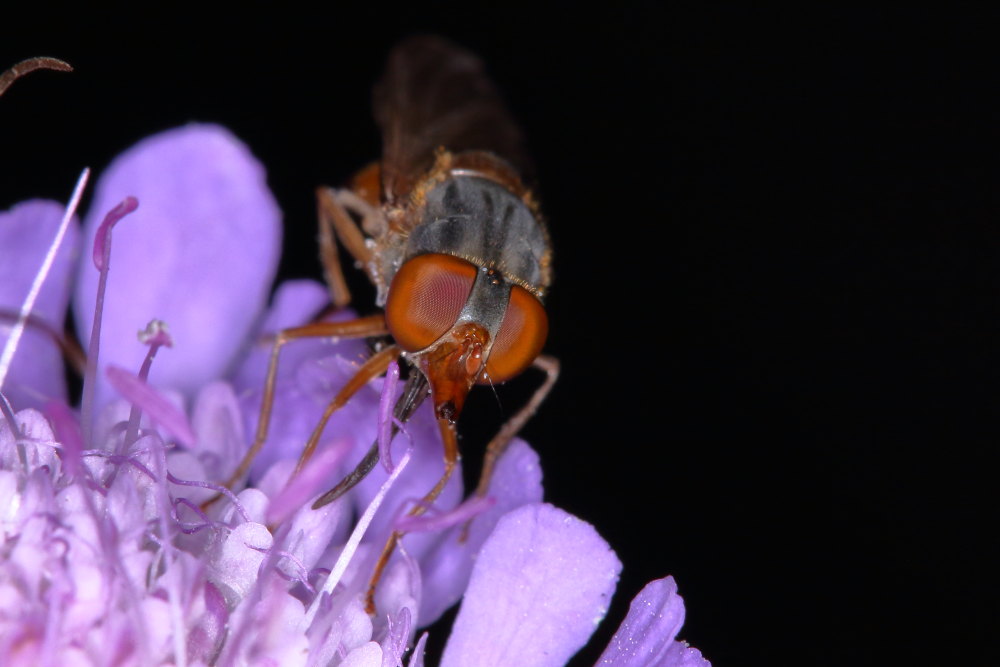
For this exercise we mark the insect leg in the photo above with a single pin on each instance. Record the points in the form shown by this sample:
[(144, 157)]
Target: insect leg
[(375, 366), (360, 328), (450, 438), (497, 446), (335, 221), (413, 395), (373, 221)]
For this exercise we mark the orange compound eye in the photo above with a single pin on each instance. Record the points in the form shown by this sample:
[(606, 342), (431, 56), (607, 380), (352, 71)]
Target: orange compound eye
[(522, 334), (425, 298)]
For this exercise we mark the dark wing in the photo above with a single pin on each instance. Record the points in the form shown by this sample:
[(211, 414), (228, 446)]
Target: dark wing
[(436, 94)]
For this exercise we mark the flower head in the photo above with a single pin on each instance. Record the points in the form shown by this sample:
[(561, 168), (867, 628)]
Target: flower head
[(106, 556)]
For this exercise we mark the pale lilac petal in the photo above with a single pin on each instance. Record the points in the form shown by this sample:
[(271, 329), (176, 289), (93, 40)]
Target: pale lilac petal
[(397, 596), (268, 630), (311, 531), (310, 483), (218, 423), (356, 623), (517, 481), (394, 645), (234, 561), (646, 636), (366, 655), (541, 584), (200, 254), (37, 440), (295, 302), (207, 635), (26, 231), (335, 633)]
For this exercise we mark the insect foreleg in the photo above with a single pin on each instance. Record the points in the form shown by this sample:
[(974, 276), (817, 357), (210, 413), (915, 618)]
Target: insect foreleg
[(375, 366), (363, 327)]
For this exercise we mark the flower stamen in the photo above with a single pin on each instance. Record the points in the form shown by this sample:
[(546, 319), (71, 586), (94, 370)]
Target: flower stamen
[(102, 260)]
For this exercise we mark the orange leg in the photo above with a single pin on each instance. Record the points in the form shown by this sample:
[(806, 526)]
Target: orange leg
[(360, 328), (498, 445), (450, 438), (334, 222), (413, 395), (375, 366)]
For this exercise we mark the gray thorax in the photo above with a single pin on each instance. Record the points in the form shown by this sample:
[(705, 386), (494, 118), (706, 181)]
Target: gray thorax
[(481, 221)]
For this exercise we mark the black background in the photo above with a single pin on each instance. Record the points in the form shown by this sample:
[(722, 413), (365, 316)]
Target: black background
[(776, 243)]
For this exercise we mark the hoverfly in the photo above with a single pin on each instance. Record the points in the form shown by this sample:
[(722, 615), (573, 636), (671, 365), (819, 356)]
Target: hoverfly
[(456, 248)]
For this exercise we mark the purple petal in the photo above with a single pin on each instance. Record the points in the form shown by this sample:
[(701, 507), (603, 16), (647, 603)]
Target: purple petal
[(646, 636), (433, 520), (154, 404), (67, 432), (681, 655), (312, 481), (517, 481), (417, 659), (295, 302), (200, 254), (26, 232), (394, 645), (541, 584)]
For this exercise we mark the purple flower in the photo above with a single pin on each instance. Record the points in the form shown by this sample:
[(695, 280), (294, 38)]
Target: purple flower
[(648, 634), (105, 555)]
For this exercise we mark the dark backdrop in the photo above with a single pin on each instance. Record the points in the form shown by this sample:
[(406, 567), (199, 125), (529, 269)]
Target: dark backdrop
[(776, 266)]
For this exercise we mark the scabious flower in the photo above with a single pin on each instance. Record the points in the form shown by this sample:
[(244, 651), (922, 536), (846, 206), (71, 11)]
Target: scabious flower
[(106, 557)]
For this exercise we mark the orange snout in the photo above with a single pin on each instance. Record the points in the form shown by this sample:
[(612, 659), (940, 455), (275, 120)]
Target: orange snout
[(452, 367)]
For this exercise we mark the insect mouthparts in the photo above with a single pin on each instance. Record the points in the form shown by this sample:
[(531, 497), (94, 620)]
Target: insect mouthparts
[(446, 411)]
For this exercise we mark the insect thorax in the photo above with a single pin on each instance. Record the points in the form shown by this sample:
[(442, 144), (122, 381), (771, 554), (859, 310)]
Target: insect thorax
[(485, 223)]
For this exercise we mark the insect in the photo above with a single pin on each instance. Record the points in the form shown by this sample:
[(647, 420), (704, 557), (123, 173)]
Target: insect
[(456, 248)]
